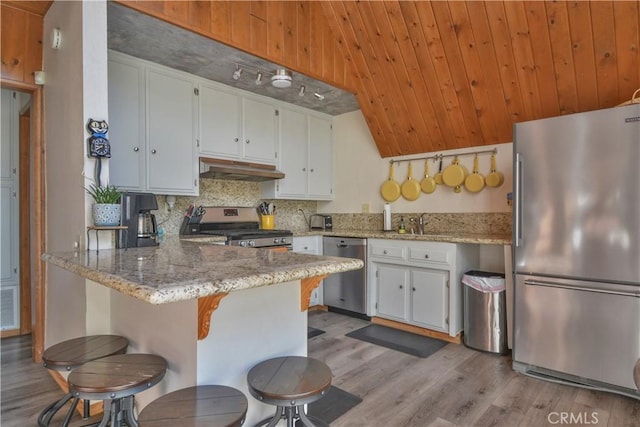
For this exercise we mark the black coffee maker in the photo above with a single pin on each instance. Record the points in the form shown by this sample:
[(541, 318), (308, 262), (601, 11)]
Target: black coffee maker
[(137, 216)]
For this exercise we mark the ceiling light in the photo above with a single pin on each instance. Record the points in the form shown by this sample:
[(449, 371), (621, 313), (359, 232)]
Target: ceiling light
[(237, 73), (281, 78), (259, 78), (318, 95), (302, 89)]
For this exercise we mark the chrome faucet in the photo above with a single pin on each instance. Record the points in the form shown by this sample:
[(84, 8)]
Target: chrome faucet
[(421, 223)]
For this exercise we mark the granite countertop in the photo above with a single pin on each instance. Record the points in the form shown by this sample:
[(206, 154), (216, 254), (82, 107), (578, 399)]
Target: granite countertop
[(449, 237), (183, 269)]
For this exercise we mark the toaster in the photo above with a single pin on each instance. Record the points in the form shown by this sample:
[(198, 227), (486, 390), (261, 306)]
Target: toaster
[(320, 222)]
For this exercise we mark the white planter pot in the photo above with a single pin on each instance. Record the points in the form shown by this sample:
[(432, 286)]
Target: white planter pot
[(106, 214)]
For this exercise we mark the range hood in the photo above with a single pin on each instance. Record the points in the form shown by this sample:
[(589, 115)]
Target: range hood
[(237, 171)]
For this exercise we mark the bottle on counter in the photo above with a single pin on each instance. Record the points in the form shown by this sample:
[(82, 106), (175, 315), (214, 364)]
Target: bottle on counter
[(402, 229)]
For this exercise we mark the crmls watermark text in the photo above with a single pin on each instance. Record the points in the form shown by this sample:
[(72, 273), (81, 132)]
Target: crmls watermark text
[(569, 418)]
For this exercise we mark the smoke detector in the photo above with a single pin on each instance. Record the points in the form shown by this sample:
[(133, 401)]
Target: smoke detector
[(281, 78)]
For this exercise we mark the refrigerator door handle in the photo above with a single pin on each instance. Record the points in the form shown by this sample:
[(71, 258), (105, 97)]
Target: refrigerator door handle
[(602, 290), (517, 218)]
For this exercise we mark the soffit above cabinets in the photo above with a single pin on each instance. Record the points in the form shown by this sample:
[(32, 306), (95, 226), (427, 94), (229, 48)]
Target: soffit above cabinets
[(154, 40)]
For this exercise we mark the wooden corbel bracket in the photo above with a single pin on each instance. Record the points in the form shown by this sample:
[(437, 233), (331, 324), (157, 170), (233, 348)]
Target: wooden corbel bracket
[(206, 307), (306, 287)]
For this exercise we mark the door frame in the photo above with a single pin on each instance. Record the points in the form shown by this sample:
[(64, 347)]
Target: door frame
[(37, 212)]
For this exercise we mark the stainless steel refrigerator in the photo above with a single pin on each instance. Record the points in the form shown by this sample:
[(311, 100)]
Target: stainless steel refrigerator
[(576, 232)]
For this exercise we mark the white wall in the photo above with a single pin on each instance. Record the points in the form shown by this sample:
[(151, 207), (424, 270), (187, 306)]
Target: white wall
[(75, 89), (359, 171)]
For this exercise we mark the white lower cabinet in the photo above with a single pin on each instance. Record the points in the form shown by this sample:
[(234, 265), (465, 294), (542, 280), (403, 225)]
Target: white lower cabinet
[(419, 283), (310, 245)]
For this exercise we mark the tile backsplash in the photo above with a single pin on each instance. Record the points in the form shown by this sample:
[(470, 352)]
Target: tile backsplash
[(215, 192)]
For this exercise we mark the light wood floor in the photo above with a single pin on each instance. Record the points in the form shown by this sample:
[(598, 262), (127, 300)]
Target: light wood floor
[(455, 386)]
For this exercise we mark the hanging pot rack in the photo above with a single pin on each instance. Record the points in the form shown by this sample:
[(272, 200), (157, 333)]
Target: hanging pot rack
[(437, 157)]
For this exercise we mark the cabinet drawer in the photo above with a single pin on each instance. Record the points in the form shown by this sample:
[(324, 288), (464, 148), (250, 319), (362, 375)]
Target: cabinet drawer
[(389, 252), (429, 255), (308, 245)]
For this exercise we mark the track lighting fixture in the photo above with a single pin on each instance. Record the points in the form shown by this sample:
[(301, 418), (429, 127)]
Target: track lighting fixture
[(259, 78), (318, 95), (302, 89), (237, 73), (281, 78)]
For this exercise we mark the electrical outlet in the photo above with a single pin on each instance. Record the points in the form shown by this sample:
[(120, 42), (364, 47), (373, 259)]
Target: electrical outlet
[(365, 208)]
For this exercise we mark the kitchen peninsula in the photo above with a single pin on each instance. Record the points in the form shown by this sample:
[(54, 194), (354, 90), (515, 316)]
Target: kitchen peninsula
[(212, 311)]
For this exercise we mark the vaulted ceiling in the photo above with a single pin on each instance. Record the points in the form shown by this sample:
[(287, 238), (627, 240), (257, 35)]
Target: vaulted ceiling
[(430, 76), (436, 75)]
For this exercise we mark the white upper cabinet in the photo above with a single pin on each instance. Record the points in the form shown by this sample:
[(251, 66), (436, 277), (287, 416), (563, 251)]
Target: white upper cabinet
[(305, 156), (293, 154), (126, 124), (171, 133), (320, 158), (219, 122), (152, 128), (236, 127)]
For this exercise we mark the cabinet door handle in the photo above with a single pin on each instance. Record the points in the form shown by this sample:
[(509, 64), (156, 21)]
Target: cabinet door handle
[(153, 151), (304, 169), (414, 289), (236, 139), (384, 252), (306, 247), (426, 256), (247, 141), (311, 169), (400, 286), (136, 149)]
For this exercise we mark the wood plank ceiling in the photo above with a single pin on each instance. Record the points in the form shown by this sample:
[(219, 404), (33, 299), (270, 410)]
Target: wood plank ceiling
[(438, 75)]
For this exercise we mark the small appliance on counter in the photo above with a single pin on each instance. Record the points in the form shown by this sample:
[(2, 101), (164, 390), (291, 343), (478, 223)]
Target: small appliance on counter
[(320, 222), (137, 216)]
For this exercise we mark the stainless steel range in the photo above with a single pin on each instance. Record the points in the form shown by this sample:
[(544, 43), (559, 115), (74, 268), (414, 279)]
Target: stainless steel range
[(241, 227)]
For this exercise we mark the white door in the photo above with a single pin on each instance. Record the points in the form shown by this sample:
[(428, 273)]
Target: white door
[(219, 123), (293, 153), (392, 291), (170, 134), (259, 125), (126, 126), (9, 222), (320, 158), (430, 298)]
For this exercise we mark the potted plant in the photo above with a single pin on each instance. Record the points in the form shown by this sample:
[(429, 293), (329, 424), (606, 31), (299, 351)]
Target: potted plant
[(106, 209)]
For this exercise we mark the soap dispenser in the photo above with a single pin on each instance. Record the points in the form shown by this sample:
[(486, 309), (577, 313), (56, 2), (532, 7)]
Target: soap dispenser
[(402, 229)]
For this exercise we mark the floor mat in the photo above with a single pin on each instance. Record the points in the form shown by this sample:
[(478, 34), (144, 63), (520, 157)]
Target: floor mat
[(313, 332), (406, 342), (333, 405)]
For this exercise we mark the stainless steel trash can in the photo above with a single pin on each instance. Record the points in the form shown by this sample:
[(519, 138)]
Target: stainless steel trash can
[(485, 319)]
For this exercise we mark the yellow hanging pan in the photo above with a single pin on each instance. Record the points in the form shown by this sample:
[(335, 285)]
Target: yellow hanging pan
[(390, 189), (438, 177), (494, 179), (454, 174), (428, 184), (474, 182), (410, 187)]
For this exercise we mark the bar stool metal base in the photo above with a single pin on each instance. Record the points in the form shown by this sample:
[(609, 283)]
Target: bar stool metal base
[(291, 414)]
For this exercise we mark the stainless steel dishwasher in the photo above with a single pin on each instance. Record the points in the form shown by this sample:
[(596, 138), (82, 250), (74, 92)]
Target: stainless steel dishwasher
[(348, 290)]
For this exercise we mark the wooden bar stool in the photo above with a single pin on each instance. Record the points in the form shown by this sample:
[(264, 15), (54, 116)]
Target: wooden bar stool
[(70, 354), (289, 383), (200, 406), (116, 380)]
